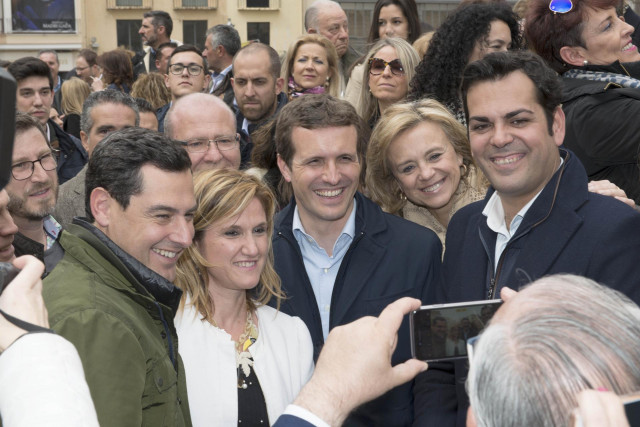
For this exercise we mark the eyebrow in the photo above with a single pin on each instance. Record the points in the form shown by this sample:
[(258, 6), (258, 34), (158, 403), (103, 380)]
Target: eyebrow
[(506, 116), (165, 208), (26, 159)]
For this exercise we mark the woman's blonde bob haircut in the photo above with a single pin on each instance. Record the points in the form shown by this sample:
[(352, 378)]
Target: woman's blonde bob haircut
[(222, 194), (381, 185), (368, 106), (74, 92), (335, 79)]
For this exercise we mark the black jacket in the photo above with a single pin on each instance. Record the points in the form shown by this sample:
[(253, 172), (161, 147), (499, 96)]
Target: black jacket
[(72, 157), (602, 127), (389, 258)]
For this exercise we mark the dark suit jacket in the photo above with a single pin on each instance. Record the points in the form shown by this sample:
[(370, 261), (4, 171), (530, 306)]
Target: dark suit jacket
[(389, 258), (225, 90), (566, 230)]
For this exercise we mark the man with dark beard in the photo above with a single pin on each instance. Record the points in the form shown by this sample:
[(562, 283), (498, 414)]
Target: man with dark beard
[(33, 190)]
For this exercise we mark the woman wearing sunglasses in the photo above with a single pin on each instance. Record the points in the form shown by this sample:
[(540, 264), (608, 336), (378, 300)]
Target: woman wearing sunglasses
[(391, 18), (390, 65), (311, 67), (465, 36), (590, 46)]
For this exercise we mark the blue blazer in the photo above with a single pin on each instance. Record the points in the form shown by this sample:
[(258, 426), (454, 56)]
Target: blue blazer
[(389, 258), (566, 230)]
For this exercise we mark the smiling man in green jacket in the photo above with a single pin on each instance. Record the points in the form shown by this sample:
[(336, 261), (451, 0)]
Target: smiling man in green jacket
[(111, 295)]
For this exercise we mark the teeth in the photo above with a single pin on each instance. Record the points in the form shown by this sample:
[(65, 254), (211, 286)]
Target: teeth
[(506, 160), (628, 46), (434, 187), (164, 253), (328, 193), (245, 263)]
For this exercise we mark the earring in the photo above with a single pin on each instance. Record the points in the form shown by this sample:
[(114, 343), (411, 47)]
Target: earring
[(402, 196), (585, 63)]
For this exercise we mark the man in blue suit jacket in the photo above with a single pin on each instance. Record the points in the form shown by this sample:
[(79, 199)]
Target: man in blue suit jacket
[(538, 217), (339, 256)]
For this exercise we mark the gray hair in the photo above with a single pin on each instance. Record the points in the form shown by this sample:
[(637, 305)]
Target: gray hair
[(196, 101), (225, 35), (571, 334), (105, 97), (311, 14), (49, 51)]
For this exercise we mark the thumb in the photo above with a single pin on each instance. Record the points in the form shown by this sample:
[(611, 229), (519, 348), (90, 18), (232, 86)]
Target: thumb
[(406, 371)]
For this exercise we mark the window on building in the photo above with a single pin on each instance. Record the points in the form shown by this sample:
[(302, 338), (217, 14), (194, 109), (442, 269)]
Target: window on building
[(127, 32), (193, 32), (129, 3), (257, 3), (195, 3), (258, 31)]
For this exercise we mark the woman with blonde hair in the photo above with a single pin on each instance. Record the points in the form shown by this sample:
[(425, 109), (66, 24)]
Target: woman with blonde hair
[(151, 87), (74, 92), (390, 66), (311, 67), (419, 165), (244, 361)]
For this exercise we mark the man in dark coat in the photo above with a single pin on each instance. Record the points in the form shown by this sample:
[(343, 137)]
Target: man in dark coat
[(538, 217), (339, 256)]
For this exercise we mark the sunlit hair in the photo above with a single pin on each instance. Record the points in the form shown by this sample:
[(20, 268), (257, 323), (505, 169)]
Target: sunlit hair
[(381, 185), (568, 334), (335, 79), (74, 92), (222, 194), (368, 106), (548, 32), (151, 87)]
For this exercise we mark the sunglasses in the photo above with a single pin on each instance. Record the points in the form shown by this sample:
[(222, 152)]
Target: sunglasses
[(561, 6), (377, 66)]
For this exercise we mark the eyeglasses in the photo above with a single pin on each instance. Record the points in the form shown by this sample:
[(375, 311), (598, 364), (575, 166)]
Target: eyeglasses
[(200, 145), (24, 170), (561, 6), (193, 69), (377, 66)]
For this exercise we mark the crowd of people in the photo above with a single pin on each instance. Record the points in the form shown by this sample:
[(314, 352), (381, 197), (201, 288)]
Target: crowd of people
[(234, 236)]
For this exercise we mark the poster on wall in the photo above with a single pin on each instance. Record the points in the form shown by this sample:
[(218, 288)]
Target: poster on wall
[(43, 15)]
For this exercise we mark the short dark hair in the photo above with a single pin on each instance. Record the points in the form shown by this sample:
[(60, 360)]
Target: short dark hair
[(160, 18), (30, 66), (409, 10), (49, 51), (188, 48), (274, 58), (547, 32), (227, 36), (319, 112), (117, 68), (24, 122), (105, 97), (116, 162), (144, 106), (496, 66), (90, 56)]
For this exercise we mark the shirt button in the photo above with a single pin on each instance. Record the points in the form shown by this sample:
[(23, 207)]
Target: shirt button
[(163, 334), (327, 307), (326, 270)]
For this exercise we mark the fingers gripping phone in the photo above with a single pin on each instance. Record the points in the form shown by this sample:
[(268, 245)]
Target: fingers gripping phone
[(440, 332), (7, 273)]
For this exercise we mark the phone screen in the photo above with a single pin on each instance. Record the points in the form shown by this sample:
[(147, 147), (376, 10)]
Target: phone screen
[(632, 409), (440, 332)]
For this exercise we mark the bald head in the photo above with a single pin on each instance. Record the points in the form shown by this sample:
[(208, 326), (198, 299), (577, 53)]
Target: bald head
[(202, 117), (560, 335)]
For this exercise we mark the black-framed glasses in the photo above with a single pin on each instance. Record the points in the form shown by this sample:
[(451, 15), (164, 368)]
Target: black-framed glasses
[(193, 69), (223, 143), (560, 6), (24, 170), (377, 66)]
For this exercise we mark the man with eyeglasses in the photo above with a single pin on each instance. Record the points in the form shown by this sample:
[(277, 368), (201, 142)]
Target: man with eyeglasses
[(187, 73), (34, 96), (207, 128), (33, 190)]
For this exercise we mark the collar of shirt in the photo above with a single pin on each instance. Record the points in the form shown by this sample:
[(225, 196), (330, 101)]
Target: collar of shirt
[(52, 229), (58, 84), (496, 221), (348, 230), (245, 128)]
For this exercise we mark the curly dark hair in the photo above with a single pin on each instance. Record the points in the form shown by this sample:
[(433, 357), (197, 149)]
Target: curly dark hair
[(439, 73)]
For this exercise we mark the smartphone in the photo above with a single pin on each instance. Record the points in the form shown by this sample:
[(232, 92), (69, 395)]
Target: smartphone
[(440, 332), (7, 273), (632, 408)]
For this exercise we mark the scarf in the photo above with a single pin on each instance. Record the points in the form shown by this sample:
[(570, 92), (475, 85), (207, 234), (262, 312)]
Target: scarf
[(296, 91), (603, 76)]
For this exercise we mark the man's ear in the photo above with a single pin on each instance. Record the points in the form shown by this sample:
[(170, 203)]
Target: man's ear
[(312, 31), (279, 85), (166, 81), (558, 126), (233, 83), (573, 55), (284, 169), (84, 138), (101, 203)]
